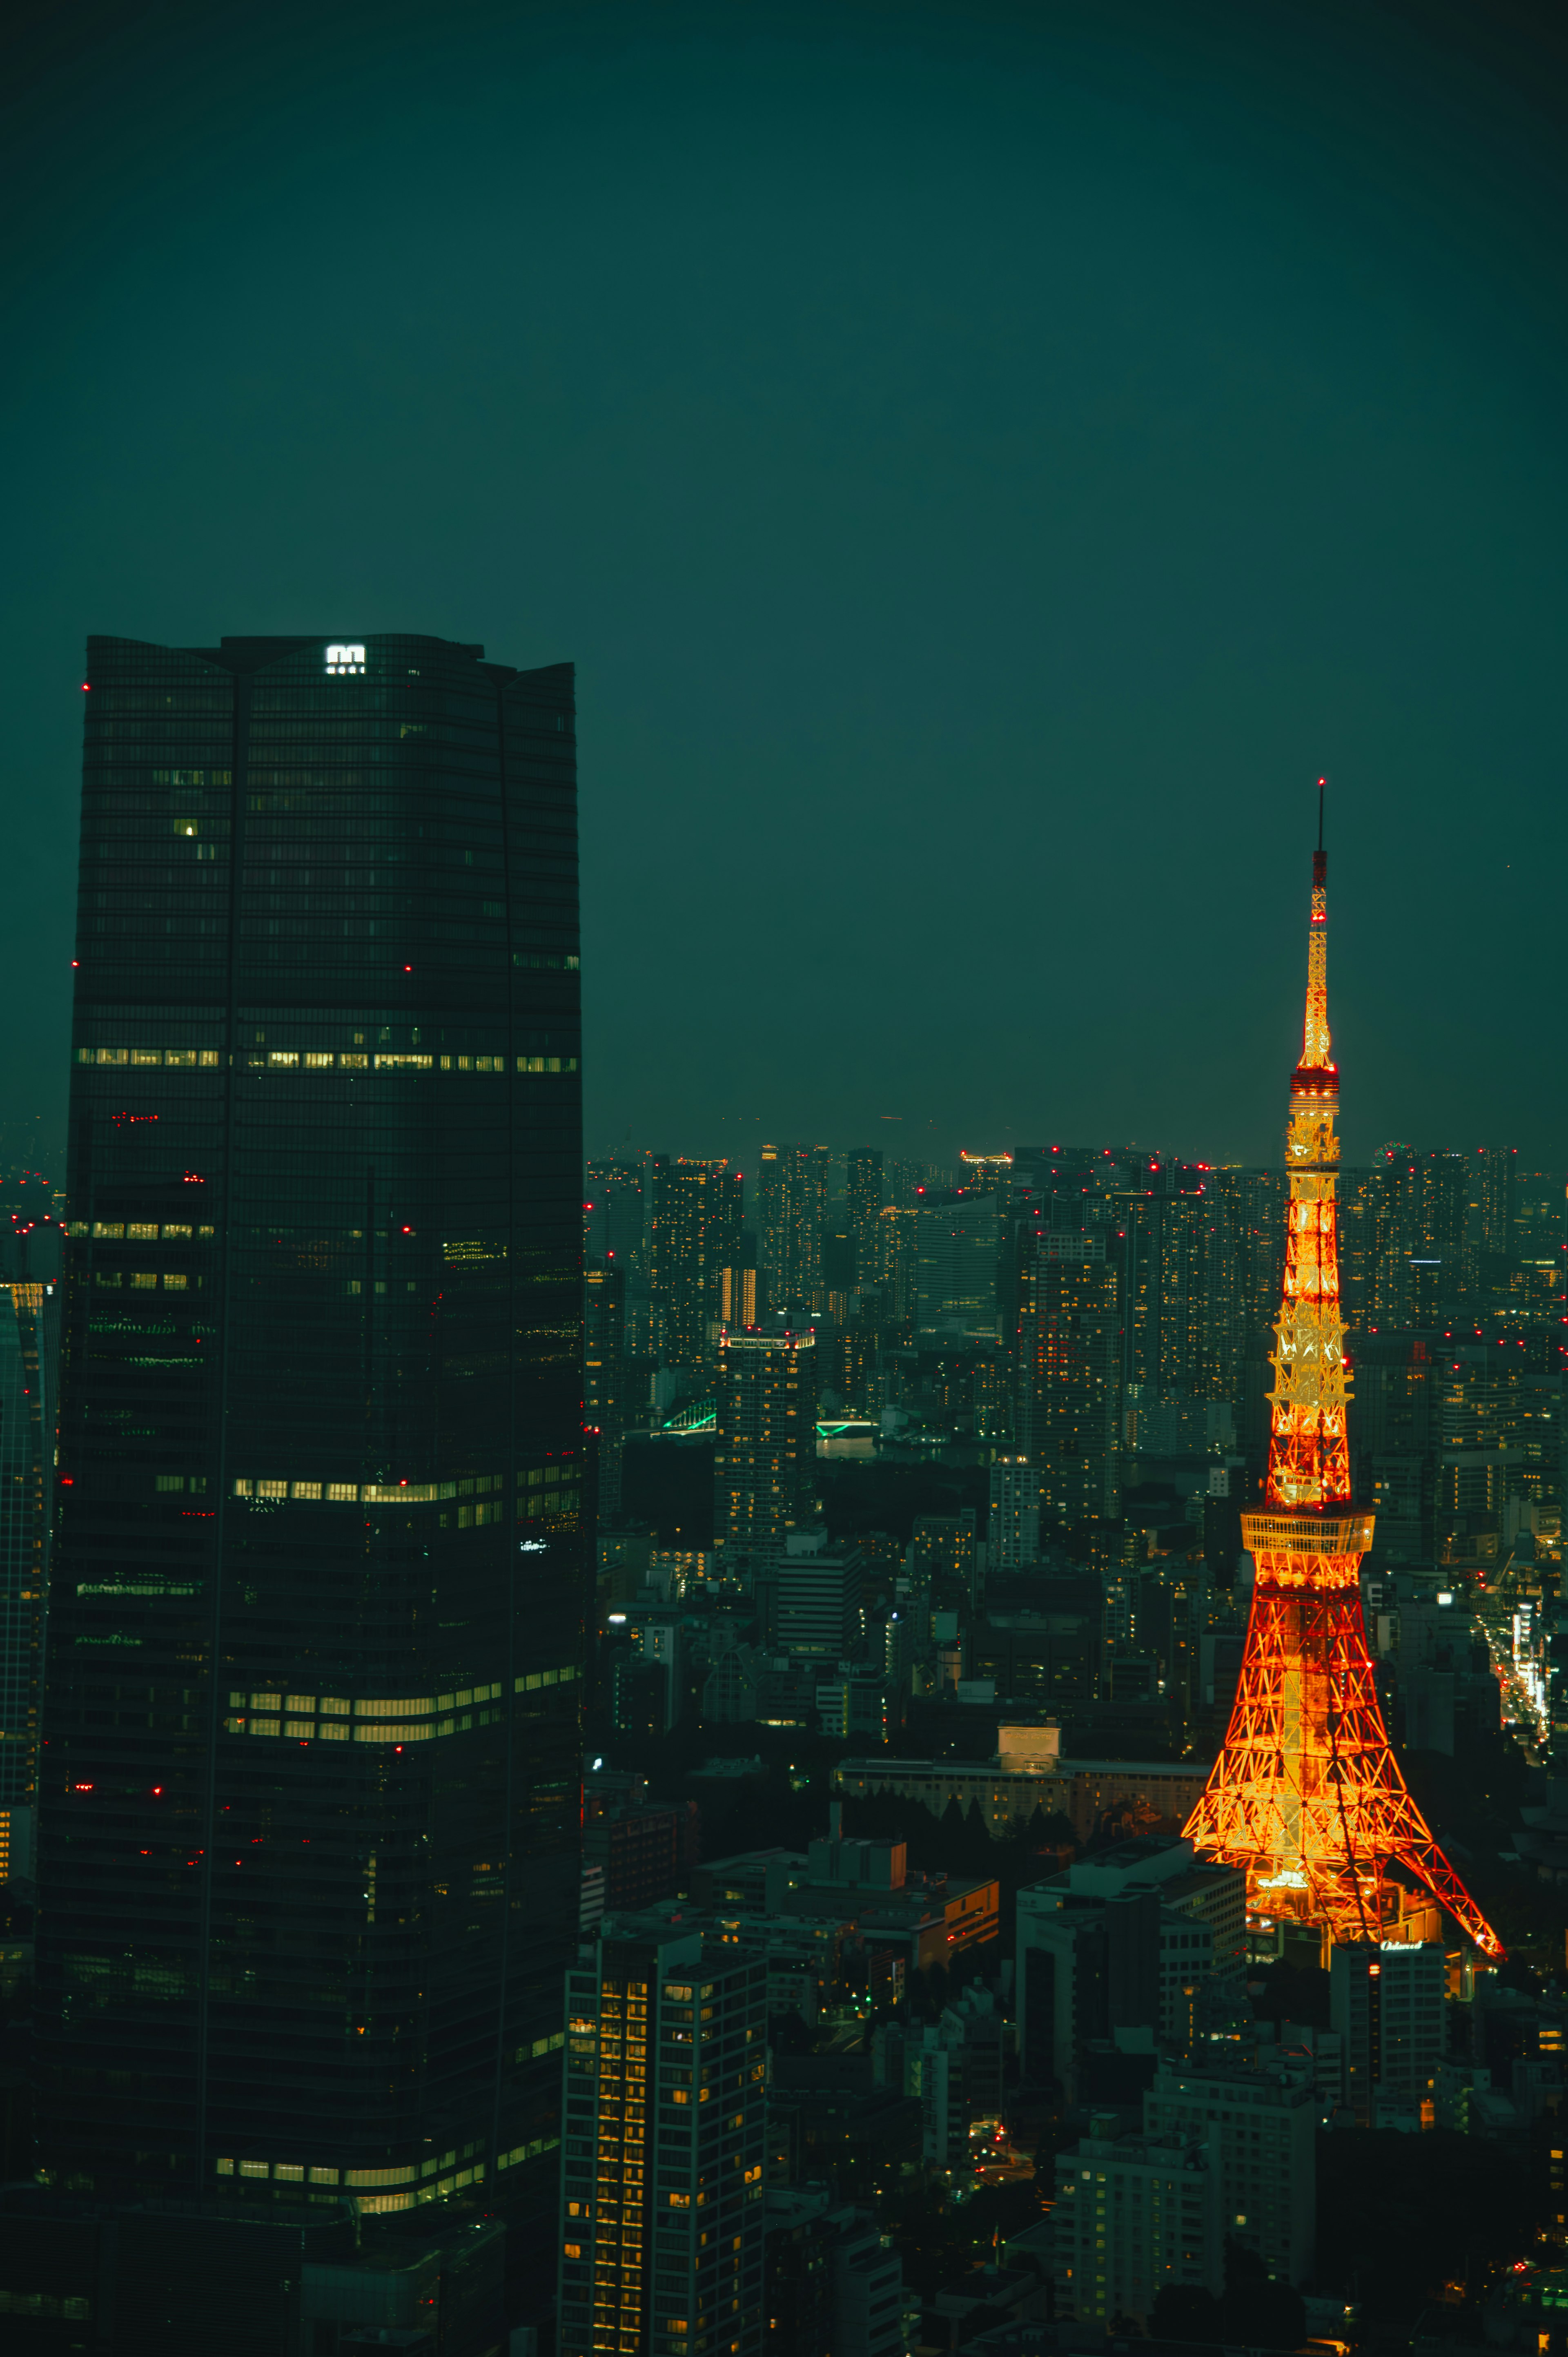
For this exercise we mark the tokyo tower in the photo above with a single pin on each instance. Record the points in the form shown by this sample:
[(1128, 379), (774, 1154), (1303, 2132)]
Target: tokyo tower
[(1306, 1795)]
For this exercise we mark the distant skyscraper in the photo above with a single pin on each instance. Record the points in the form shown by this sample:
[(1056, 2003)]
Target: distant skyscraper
[(604, 1376), (1069, 1362), (959, 1245), (309, 1862), (791, 1211), (862, 1203), (613, 1212), (1419, 1199), (666, 2112), (694, 1232), (765, 1463), (1493, 1182)]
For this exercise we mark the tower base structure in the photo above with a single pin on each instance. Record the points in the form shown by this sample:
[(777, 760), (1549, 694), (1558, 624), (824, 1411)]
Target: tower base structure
[(1306, 1795)]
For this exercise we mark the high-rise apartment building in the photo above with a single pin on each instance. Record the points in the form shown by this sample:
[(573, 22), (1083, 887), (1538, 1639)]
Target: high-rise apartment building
[(1068, 1374), (764, 1462), (309, 1829), (1491, 1202), (791, 1214), (665, 2106), (898, 1259), (1417, 1203), (694, 1244), (1013, 1517), (864, 1188)]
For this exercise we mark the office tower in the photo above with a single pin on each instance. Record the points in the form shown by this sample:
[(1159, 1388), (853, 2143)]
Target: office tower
[(959, 1263), (820, 1613), (605, 1377), (862, 1206), (1012, 1516), (1134, 2214), (984, 1174), (791, 1214), (1068, 1376), (1387, 2004), (1306, 1795), (309, 1842), (1260, 2123), (694, 1239), (765, 1463), (665, 2127)]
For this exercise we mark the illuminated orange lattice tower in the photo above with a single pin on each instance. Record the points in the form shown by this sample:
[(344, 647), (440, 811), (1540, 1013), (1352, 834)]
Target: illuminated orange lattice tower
[(1308, 1794)]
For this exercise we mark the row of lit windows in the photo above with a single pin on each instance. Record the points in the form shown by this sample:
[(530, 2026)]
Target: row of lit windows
[(392, 1493), (316, 1060), (418, 1720), (139, 1231)]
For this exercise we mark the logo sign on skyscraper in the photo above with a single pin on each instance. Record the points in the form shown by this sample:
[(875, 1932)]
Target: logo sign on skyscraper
[(341, 661)]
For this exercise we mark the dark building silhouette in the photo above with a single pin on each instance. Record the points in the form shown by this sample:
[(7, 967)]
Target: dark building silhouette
[(310, 1853)]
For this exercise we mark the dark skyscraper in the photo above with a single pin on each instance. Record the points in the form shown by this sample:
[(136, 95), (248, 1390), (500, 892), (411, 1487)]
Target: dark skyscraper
[(308, 1865)]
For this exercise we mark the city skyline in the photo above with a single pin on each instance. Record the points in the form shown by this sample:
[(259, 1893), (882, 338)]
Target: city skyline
[(732, 1621)]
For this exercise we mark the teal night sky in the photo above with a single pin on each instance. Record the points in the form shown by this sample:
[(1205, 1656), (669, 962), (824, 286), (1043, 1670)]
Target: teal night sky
[(985, 462)]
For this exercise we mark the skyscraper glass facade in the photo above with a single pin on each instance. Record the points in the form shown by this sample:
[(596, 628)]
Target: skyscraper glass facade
[(309, 1840)]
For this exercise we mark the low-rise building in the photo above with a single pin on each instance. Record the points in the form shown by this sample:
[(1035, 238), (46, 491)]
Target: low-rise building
[(928, 1919), (1083, 1790), (1134, 1939)]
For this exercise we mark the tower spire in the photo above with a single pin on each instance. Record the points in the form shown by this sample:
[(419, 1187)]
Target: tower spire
[(1308, 1794)]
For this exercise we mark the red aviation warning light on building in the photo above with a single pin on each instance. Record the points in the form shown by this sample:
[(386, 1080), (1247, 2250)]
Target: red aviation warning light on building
[(1306, 1795)]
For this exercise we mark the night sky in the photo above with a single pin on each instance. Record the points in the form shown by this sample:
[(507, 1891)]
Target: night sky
[(985, 463)]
